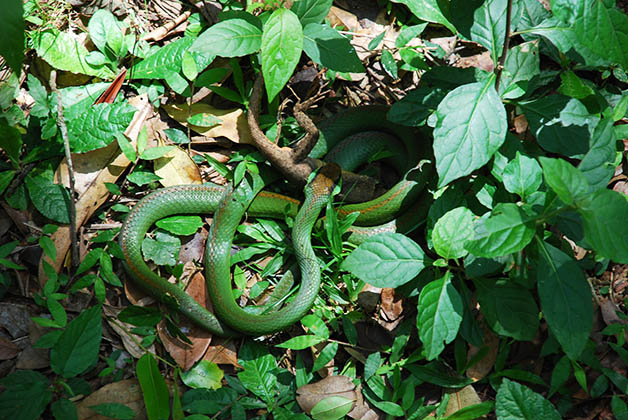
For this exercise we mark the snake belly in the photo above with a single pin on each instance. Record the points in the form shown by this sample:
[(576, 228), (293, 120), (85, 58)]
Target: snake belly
[(378, 215)]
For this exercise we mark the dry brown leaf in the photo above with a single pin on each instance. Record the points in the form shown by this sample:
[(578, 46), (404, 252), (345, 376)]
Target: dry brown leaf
[(482, 61), (482, 368), (234, 125), (8, 349), (392, 305), (222, 352), (127, 392), (462, 398), (32, 358), (368, 298), (340, 386), (130, 341), (96, 193), (184, 354), (15, 318), (177, 168)]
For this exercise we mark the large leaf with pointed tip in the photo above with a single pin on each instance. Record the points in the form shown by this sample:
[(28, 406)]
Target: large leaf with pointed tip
[(471, 127), (516, 401), (430, 11), (235, 37), (565, 299), (597, 165), (12, 41), (440, 315)]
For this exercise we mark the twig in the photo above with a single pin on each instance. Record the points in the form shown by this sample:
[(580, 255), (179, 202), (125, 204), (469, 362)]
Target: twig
[(500, 66), (68, 157)]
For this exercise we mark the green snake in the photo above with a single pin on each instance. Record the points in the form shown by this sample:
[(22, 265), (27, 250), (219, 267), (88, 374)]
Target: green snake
[(400, 209)]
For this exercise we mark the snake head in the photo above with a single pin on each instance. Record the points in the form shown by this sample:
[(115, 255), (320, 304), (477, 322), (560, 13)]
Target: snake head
[(326, 179)]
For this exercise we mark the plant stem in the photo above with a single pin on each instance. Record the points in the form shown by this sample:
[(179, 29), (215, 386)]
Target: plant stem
[(502, 59)]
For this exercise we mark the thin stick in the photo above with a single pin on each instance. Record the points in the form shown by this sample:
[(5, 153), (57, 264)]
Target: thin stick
[(502, 59), (68, 157)]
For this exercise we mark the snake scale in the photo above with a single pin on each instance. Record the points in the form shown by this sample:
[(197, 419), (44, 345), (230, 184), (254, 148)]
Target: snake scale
[(365, 131)]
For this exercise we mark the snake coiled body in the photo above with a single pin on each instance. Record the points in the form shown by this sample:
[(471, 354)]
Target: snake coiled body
[(385, 213)]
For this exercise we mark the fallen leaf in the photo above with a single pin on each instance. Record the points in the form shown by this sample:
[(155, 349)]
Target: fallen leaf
[(309, 395), (483, 366), (462, 398), (127, 392), (186, 355), (222, 352), (369, 297), (177, 168), (392, 305), (233, 126), (8, 349), (130, 341)]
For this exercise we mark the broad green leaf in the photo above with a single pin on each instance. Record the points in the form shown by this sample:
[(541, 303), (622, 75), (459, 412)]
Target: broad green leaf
[(164, 61), (508, 229), (100, 24), (440, 314), (565, 299), (180, 225), (388, 407), (140, 316), (516, 401), (389, 64), (569, 184), (522, 175), (26, 395), (415, 108), (471, 127), (204, 119), (605, 230), (522, 64), (430, 11), (560, 374), (237, 36), (154, 388), (311, 11), (325, 356), (64, 409), (572, 86), (51, 200), (315, 325), (114, 411), (12, 40), (560, 124), (157, 152), (77, 348), (510, 309), (328, 48), (140, 178), (282, 44), (598, 165), (451, 232), (386, 260), (125, 145), (438, 374), (408, 33), (599, 29), (332, 408), (63, 52), (619, 407), (163, 250), (373, 362), (204, 374), (258, 375), (96, 127), (301, 342)]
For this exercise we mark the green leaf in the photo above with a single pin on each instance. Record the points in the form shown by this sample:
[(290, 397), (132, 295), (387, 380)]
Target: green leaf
[(156, 152), (516, 401), (126, 147), (258, 375), (386, 260), (373, 362), (51, 200), (328, 48), (100, 24), (571, 85), (63, 52), (471, 127), (560, 374), (429, 11), (204, 374), (559, 123), (508, 229), (12, 42), (332, 408), (64, 409), (114, 411), (415, 108), (301, 342), (325, 356), (619, 407), (603, 216), (204, 119), (451, 232), (311, 11), (180, 225), (140, 178), (389, 64), (522, 175), (568, 182), (489, 25), (440, 315), (163, 250), (77, 349), (48, 246), (510, 309), (438, 374), (166, 60), (154, 388), (26, 395), (521, 65), (408, 33), (315, 325), (140, 316), (237, 36), (282, 43), (565, 298), (598, 164), (97, 126)]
